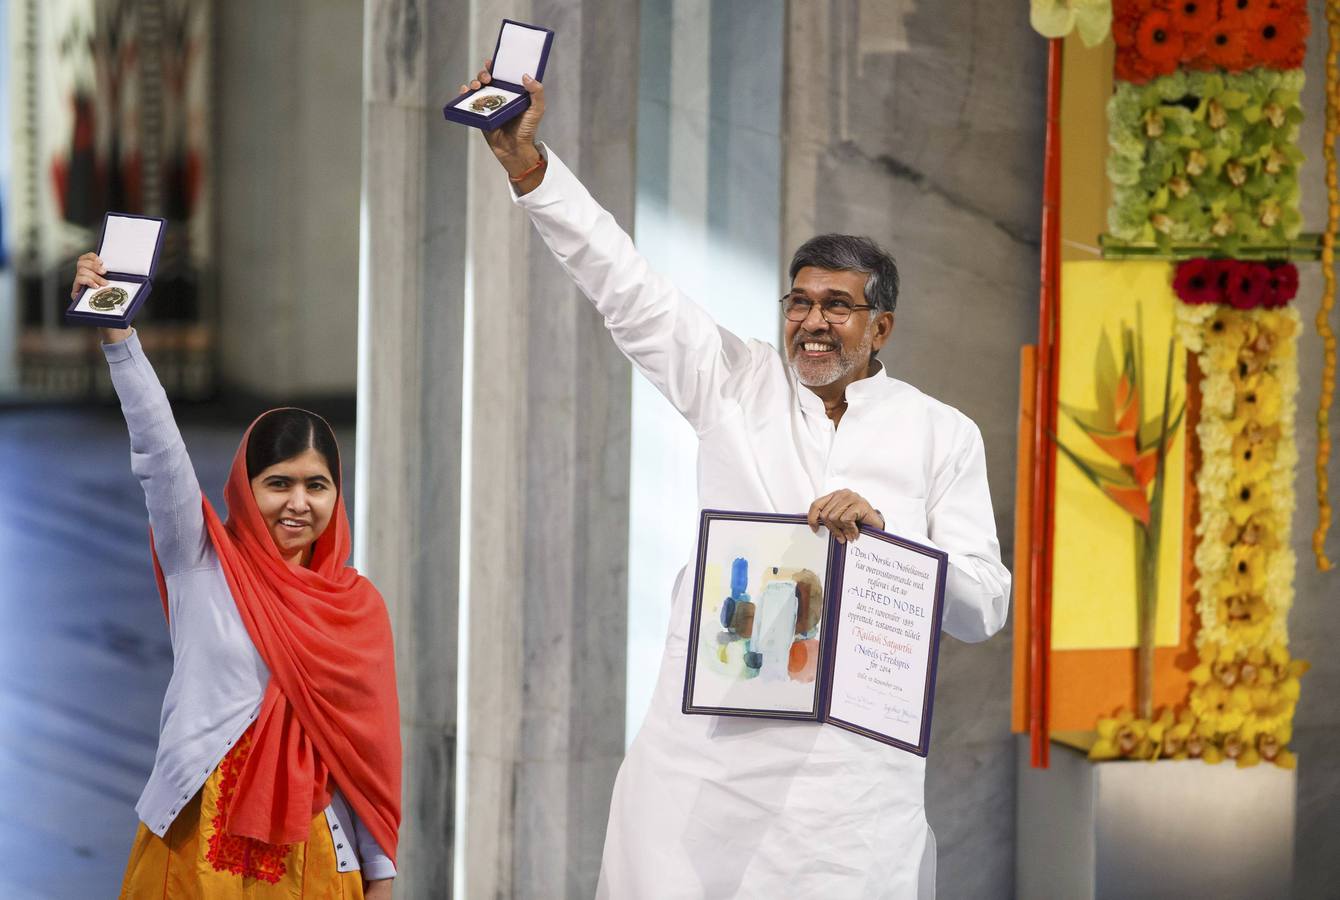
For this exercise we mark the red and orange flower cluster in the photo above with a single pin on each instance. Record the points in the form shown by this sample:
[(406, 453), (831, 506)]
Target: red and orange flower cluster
[(1156, 37), (1240, 284)]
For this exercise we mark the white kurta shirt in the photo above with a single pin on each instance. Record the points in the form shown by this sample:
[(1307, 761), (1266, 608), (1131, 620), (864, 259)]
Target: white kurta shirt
[(716, 807)]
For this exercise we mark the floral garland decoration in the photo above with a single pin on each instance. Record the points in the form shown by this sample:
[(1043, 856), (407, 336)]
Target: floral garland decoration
[(1242, 285), (1246, 686), (1156, 37), (1057, 18), (1206, 158)]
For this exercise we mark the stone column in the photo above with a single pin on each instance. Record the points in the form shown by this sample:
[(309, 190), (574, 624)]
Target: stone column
[(411, 344), (472, 337), (549, 481)]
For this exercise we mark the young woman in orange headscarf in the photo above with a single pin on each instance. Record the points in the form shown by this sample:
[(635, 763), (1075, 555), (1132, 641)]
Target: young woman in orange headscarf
[(278, 764)]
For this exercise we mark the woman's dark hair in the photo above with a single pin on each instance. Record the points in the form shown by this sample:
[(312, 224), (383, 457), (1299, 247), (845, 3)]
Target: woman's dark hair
[(285, 433), (850, 253)]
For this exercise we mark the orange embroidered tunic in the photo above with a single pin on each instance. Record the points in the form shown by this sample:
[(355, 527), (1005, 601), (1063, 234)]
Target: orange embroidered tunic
[(197, 859)]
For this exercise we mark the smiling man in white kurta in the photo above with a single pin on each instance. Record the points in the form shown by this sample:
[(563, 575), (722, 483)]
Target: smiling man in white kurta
[(717, 807)]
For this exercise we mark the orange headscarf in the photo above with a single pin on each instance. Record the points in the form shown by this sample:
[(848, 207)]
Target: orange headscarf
[(330, 709)]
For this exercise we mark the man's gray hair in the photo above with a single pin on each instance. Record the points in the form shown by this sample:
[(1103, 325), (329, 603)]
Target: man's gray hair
[(851, 253)]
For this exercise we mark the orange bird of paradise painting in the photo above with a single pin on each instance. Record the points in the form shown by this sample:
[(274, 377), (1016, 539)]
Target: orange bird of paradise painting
[(1126, 462)]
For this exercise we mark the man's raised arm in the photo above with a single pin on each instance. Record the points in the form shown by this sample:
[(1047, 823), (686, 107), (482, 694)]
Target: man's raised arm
[(672, 340)]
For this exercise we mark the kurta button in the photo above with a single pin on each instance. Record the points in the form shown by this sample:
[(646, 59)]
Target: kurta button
[(339, 846), (335, 826)]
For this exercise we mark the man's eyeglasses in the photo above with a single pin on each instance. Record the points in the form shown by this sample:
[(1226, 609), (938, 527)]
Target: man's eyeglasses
[(796, 307)]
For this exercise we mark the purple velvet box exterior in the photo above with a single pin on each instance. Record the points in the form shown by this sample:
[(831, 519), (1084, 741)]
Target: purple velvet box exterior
[(517, 106), (832, 610), (146, 281)]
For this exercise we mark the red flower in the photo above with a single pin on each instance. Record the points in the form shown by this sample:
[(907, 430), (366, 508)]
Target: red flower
[(1227, 47), (1135, 9), (1276, 38), (1158, 41), (1193, 48), (1243, 13), (1194, 15), (1133, 67), (1123, 31), (1283, 284), (1248, 285), (1197, 281)]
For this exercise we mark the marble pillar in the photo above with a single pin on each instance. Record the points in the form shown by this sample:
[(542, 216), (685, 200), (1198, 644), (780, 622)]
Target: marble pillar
[(920, 124), (549, 483), (489, 394), (411, 344)]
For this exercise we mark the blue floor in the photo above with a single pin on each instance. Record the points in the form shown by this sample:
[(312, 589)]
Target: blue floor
[(84, 652)]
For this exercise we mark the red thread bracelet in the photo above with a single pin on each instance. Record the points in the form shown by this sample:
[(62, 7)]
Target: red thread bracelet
[(539, 164)]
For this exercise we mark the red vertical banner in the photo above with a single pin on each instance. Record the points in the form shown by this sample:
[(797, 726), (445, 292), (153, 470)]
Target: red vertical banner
[(1044, 424)]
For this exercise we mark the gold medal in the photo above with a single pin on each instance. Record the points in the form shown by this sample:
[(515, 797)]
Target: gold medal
[(488, 103), (108, 299)]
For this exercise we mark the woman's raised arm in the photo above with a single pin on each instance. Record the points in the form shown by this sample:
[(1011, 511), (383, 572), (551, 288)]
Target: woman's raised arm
[(157, 453)]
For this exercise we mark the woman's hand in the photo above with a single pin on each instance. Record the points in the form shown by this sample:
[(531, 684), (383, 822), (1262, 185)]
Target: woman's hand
[(378, 890), (88, 274), (844, 512), (514, 143)]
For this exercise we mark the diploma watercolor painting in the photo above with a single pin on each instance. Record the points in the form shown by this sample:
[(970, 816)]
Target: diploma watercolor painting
[(761, 610)]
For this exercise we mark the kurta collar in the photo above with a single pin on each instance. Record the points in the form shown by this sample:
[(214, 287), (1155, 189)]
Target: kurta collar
[(858, 392)]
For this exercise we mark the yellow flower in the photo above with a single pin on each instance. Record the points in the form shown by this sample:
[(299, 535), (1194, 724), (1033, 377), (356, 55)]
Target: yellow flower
[(1258, 395), (1247, 566), (1253, 454), (1246, 498)]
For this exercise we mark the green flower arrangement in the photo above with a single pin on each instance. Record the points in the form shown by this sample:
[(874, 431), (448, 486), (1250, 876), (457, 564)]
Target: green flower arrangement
[(1206, 158)]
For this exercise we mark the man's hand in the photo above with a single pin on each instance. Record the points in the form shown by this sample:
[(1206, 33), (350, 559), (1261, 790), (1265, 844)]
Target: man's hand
[(88, 274), (378, 890), (514, 143), (844, 512)]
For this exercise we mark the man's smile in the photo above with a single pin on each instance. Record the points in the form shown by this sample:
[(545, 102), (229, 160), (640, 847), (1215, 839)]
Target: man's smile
[(817, 348)]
